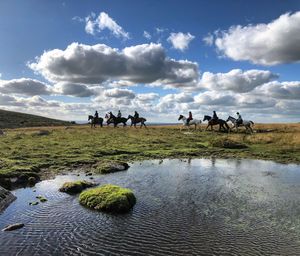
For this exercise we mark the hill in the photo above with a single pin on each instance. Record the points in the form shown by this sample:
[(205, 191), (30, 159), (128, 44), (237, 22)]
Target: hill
[(10, 119)]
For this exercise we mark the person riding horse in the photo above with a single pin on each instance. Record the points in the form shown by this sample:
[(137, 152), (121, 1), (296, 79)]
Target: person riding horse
[(96, 116), (239, 120), (119, 114), (189, 118), (136, 115), (215, 117)]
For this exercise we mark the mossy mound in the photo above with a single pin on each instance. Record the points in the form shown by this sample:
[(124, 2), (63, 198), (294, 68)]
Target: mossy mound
[(230, 144), (108, 198), (76, 186), (111, 166)]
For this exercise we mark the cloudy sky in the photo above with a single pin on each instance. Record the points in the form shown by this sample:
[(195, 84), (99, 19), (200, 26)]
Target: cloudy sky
[(67, 58)]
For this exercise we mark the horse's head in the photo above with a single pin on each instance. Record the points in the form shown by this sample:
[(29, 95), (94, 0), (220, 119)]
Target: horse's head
[(180, 117), (230, 118), (90, 118), (129, 117), (206, 118)]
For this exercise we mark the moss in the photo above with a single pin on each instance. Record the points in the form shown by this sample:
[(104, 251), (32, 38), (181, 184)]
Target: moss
[(108, 198), (110, 167), (34, 203), (76, 186), (227, 143), (42, 199)]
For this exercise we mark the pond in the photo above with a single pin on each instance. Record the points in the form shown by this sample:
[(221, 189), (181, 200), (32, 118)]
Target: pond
[(184, 207)]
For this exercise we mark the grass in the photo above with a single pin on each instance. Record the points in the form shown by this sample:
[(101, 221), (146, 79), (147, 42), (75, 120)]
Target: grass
[(10, 119), (108, 198), (23, 152)]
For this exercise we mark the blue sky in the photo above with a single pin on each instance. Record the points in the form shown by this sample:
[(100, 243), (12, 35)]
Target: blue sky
[(30, 28)]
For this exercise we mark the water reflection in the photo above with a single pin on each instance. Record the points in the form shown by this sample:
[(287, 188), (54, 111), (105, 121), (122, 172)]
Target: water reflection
[(185, 207)]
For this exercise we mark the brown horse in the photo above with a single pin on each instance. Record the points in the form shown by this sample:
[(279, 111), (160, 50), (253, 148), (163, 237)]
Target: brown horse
[(95, 121), (135, 121), (211, 122)]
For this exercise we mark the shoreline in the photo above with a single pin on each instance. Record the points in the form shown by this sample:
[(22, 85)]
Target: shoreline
[(25, 152)]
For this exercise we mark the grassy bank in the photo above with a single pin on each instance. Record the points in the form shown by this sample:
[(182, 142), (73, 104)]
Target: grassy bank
[(10, 119), (30, 152)]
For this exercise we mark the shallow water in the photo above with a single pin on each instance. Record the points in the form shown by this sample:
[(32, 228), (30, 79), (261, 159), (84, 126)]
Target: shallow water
[(196, 207)]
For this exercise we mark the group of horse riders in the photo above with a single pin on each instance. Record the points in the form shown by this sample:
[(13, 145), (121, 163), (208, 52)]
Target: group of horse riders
[(111, 118), (239, 120)]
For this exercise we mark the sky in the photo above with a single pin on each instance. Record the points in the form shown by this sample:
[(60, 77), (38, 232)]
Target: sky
[(67, 58)]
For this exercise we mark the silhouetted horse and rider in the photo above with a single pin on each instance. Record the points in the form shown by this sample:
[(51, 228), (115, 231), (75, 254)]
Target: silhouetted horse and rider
[(95, 120), (215, 120), (115, 120)]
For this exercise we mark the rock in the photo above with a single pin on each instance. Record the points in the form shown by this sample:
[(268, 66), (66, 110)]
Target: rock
[(114, 166), (108, 198), (89, 174), (32, 181), (13, 227), (76, 186), (6, 198)]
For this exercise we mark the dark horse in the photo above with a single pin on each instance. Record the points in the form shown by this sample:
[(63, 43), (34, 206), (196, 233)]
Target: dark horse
[(95, 121), (212, 122), (135, 121), (116, 120)]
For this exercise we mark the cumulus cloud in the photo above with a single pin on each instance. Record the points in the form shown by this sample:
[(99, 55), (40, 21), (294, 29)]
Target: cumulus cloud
[(24, 86), (281, 90), (147, 97), (119, 93), (180, 41), (104, 21), (236, 80), (92, 64), (76, 90), (266, 44)]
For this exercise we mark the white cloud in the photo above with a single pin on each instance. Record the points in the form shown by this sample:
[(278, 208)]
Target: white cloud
[(76, 90), (119, 93), (281, 90), (104, 21), (94, 64), (208, 39), (236, 80), (24, 86), (180, 40), (147, 35), (266, 44)]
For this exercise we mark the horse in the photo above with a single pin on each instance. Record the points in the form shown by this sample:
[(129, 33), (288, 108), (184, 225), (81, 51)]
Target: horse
[(246, 123), (95, 121), (191, 122), (115, 120), (211, 122), (135, 121)]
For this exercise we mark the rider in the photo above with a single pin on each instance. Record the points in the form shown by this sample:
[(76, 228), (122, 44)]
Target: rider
[(96, 116), (136, 115), (119, 114), (215, 117), (111, 115), (239, 119), (189, 118)]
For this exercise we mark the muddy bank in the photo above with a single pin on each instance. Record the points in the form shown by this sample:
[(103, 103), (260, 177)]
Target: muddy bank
[(5, 198)]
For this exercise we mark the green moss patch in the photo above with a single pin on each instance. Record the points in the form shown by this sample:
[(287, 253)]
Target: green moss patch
[(76, 186), (227, 143), (108, 198), (111, 166)]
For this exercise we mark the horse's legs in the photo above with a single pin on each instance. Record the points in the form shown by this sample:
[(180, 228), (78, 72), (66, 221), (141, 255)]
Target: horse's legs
[(207, 127)]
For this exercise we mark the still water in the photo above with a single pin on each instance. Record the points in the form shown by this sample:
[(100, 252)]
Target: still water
[(184, 207)]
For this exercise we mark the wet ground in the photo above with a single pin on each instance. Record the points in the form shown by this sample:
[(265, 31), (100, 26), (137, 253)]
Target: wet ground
[(196, 207)]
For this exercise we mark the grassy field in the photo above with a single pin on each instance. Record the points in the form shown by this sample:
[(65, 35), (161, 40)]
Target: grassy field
[(9, 119), (27, 151)]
